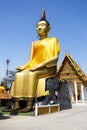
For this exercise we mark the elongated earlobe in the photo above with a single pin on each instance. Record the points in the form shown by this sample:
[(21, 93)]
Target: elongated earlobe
[(49, 28)]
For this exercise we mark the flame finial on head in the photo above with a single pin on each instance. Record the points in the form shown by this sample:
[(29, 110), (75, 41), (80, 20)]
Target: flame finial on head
[(43, 14), (43, 17)]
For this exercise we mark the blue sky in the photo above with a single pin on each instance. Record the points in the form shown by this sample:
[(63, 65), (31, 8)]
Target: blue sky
[(18, 18)]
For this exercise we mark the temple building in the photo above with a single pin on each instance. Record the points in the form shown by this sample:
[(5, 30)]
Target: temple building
[(77, 79)]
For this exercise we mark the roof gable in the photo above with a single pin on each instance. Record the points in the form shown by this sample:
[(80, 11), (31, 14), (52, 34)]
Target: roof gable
[(69, 66)]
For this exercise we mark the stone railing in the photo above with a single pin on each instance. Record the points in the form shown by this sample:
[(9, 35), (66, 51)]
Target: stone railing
[(46, 109)]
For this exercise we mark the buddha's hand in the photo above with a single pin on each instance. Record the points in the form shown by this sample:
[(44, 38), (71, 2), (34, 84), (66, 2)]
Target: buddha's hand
[(20, 68), (33, 69), (39, 66)]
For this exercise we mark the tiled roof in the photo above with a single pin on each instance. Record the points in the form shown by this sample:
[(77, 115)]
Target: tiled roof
[(3, 93), (4, 96)]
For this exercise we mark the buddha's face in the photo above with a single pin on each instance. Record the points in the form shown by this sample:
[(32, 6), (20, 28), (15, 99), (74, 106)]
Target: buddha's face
[(42, 28)]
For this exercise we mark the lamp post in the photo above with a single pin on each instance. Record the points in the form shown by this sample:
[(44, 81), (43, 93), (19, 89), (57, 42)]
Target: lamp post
[(7, 63)]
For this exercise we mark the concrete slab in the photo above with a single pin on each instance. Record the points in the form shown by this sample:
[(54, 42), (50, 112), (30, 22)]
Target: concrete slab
[(71, 119)]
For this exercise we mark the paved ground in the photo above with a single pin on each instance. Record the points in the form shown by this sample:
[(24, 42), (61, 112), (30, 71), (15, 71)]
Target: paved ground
[(71, 119)]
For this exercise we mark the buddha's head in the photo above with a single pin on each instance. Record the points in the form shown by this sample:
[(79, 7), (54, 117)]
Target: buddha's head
[(43, 26)]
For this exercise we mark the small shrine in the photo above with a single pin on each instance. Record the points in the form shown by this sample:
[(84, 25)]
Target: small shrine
[(4, 96), (77, 79)]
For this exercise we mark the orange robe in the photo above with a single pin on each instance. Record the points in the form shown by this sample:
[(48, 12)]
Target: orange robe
[(25, 83)]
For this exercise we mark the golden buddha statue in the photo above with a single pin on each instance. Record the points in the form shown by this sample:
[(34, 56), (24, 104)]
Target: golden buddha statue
[(42, 63)]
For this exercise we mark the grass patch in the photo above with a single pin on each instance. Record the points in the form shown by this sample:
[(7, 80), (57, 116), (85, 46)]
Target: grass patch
[(19, 113)]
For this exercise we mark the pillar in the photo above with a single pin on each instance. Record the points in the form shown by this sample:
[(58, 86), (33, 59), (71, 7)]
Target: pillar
[(75, 86), (82, 92)]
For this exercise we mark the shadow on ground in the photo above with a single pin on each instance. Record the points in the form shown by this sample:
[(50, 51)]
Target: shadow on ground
[(2, 117)]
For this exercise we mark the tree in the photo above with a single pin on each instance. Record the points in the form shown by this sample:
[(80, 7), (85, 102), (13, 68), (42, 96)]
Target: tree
[(7, 81)]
